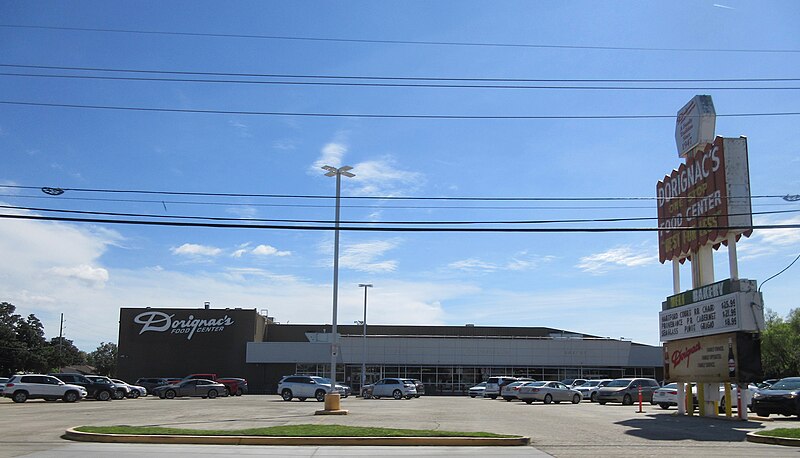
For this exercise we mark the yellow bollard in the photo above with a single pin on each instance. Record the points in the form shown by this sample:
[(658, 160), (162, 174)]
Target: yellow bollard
[(728, 400), (689, 400), (701, 399)]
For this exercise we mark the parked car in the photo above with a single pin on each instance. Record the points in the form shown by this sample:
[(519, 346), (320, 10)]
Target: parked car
[(626, 390), (477, 390), (589, 388), (3, 381), (573, 382), (303, 387), (241, 383), (194, 387), (20, 388), (120, 391), (782, 397), (751, 391), (547, 392), (509, 392), (395, 387), (418, 385), (102, 390), (495, 384), (767, 383), (150, 383), (666, 396), (134, 391), (344, 390)]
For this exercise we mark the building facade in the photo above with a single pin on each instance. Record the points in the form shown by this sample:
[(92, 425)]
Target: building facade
[(448, 359)]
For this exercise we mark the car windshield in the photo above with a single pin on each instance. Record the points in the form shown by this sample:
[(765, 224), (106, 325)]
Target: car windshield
[(535, 383), (786, 385), (481, 384), (618, 383), (590, 383), (671, 386)]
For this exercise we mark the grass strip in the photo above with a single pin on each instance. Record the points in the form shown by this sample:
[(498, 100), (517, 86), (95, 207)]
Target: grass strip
[(287, 431), (791, 433)]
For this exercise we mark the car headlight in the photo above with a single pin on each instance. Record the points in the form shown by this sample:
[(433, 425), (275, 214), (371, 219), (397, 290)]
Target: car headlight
[(757, 395), (790, 395)]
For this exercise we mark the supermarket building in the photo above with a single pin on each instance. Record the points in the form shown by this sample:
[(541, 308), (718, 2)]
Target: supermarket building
[(167, 342)]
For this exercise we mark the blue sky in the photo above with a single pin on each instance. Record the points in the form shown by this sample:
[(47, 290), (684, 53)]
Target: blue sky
[(607, 284)]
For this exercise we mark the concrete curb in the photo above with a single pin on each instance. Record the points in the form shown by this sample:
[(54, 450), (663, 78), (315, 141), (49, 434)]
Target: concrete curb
[(787, 441), (72, 434)]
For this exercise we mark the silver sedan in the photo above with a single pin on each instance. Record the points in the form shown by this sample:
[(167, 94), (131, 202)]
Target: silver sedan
[(548, 392)]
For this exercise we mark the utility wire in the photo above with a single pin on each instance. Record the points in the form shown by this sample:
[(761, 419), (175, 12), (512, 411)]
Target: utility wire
[(307, 196), (407, 85), (327, 221), (391, 229), (397, 42), (782, 271), (406, 78), (374, 115)]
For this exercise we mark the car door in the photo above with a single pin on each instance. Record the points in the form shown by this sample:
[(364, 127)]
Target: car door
[(564, 392), (187, 388), (380, 388)]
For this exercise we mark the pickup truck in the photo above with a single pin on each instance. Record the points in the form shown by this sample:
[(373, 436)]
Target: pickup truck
[(234, 386)]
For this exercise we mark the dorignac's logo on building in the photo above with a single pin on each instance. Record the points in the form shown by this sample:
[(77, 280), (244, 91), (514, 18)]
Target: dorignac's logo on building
[(161, 322)]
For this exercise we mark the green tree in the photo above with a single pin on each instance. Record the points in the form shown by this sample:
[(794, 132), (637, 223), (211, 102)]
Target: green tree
[(61, 352), (780, 345), (11, 349), (104, 359)]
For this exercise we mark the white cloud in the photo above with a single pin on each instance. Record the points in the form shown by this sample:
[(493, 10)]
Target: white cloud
[(617, 257), (243, 211), (92, 276), (332, 154), (384, 177), (191, 249), (364, 256), (767, 242), (473, 265), (268, 250)]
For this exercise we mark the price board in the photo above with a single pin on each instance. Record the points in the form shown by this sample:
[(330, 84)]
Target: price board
[(737, 311)]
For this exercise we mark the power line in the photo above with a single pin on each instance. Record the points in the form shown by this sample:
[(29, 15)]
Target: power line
[(308, 196), (375, 115), (397, 42), (219, 218), (404, 85), (392, 229), (406, 78)]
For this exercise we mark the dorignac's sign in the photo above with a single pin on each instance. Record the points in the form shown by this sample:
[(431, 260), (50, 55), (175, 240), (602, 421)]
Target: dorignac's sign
[(155, 321), (710, 192), (731, 357)]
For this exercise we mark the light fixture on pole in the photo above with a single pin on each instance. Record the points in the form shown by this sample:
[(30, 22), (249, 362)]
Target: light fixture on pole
[(334, 172), (364, 358)]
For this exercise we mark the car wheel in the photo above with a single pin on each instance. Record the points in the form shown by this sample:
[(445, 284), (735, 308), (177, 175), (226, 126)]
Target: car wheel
[(170, 394), (548, 399), (212, 394), (397, 394), (286, 394), (493, 396), (70, 396), (417, 395), (528, 401), (103, 396), (627, 400), (119, 394), (20, 396), (664, 405), (602, 403), (576, 398), (472, 395), (134, 394), (508, 399), (409, 397), (320, 395), (762, 413), (239, 392), (593, 398), (227, 391)]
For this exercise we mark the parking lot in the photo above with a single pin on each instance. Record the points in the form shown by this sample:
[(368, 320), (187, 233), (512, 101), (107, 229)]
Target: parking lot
[(561, 430)]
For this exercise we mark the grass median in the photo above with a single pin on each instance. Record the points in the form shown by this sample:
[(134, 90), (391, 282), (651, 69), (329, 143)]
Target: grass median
[(287, 431), (791, 433)]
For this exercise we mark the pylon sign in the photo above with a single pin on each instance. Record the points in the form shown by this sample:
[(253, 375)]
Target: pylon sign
[(705, 199)]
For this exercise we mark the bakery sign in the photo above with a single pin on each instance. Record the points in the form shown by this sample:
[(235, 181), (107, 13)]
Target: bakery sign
[(155, 321), (725, 306), (705, 199)]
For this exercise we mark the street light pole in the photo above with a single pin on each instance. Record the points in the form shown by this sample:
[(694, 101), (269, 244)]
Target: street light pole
[(364, 358), (331, 172)]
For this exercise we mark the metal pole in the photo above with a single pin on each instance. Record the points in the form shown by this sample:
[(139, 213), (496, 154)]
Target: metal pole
[(364, 352), (334, 340)]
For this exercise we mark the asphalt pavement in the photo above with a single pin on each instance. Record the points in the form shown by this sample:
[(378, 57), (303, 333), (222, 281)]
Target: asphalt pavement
[(562, 430)]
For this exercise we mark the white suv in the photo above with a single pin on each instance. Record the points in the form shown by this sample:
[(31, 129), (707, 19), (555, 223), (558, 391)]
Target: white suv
[(20, 388), (395, 387), (303, 387)]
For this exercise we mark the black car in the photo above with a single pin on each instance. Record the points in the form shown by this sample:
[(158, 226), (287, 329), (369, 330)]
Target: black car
[(151, 383), (102, 389), (783, 397)]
